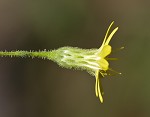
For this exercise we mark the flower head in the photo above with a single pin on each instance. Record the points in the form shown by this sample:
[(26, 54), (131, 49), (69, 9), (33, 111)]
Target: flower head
[(92, 60)]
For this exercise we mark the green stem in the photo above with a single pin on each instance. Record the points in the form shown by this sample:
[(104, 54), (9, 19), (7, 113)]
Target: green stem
[(39, 54)]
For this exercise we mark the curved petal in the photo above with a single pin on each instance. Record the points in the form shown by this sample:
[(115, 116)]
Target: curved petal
[(105, 51), (110, 36), (97, 87), (103, 63), (105, 38)]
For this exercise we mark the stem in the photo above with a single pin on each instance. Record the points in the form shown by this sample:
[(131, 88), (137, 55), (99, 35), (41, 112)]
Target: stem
[(39, 54)]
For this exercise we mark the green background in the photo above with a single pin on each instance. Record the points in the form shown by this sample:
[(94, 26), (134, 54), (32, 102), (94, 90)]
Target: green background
[(39, 88)]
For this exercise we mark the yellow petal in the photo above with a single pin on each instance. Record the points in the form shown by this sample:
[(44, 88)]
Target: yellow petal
[(96, 82), (110, 36), (103, 64), (105, 51), (99, 92), (106, 36), (97, 87)]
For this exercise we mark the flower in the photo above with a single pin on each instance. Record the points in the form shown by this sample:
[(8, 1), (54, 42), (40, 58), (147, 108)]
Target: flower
[(94, 61)]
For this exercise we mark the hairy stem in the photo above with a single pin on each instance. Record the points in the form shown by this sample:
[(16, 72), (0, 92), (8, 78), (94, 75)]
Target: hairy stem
[(39, 54)]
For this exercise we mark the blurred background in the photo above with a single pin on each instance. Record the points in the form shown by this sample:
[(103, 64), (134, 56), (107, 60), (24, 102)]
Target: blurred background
[(40, 88)]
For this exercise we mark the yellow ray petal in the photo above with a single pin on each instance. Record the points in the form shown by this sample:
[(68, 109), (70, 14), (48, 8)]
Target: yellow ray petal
[(103, 63), (106, 50), (110, 36), (97, 87), (106, 35), (99, 92), (96, 82)]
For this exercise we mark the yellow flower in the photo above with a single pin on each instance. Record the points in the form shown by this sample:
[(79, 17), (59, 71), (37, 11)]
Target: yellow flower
[(103, 51), (94, 61)]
